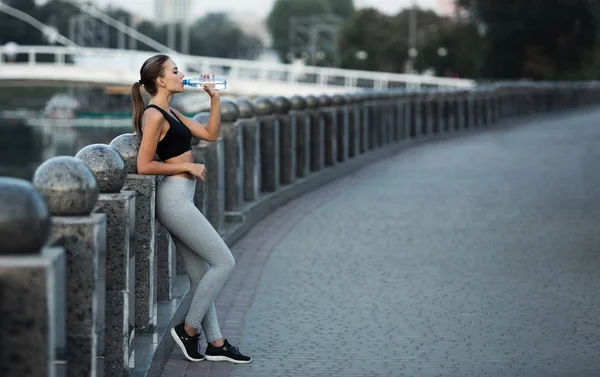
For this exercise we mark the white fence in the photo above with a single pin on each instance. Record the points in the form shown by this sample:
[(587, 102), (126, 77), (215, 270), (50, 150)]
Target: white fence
[(246, 77)]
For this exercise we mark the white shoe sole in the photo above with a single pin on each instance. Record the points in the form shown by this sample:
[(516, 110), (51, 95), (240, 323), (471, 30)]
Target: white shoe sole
[(181, 346), (225, 358)]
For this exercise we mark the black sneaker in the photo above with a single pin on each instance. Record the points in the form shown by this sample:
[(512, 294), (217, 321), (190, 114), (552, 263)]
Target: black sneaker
[(227, 352), (188, 344)]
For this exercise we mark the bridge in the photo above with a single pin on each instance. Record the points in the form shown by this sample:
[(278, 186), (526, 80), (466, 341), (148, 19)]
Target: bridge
[(96, 66), (422, 233)]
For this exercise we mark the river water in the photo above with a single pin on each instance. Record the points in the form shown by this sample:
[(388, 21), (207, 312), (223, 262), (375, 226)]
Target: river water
[(30, 133)]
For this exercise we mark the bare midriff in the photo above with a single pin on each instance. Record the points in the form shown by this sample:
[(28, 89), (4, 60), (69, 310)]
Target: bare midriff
[(183, 158)]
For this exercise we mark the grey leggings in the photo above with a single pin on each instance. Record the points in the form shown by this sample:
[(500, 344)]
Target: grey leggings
[(206, 258)]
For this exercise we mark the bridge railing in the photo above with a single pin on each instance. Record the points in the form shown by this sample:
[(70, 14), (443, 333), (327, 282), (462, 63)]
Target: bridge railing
[(236, 69), (93, 215)]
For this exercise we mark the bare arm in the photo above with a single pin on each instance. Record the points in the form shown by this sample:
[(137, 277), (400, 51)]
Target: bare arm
[(152, 126), (210, 132)]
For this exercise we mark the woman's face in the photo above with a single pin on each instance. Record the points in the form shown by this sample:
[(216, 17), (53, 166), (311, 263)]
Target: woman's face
[(172, 77)]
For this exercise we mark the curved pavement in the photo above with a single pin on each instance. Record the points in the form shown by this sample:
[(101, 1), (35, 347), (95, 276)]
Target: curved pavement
[(472, 256)]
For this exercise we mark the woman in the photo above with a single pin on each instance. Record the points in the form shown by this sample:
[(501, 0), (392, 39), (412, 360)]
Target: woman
[(207, 259)]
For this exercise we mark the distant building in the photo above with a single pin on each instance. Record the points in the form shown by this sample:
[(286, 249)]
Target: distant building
[(169, 11)]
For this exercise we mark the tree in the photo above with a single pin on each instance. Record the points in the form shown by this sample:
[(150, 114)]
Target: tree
[(549, 39), (342, 8), (280, 16), (376, 34), (15, 30), (454, 50)]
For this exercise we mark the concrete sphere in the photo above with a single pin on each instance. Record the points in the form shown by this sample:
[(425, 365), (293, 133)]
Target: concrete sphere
[(311, 102), (245, 106), (128, 146), (324, 100), (282, 105), (298, 103), (24, 218), (263, 106), (229, 110), (68, 185), (107, 165), (338, 100)]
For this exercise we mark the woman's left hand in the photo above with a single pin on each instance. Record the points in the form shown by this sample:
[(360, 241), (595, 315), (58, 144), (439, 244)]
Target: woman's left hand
[(213, 93)]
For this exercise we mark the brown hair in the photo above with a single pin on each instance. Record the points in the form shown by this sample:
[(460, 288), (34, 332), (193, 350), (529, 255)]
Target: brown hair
[(152, 69)]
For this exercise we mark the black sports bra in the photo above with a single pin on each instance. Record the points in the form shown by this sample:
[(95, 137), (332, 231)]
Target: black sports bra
[(178, 139)]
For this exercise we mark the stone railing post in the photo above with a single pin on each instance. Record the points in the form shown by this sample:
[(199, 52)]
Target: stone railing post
[(372, 120), (353, 112), (287, 141), (269, 144), (433, 109), (145, 235), (110, 171), (32, 286), (389, 118), (231, 132), (212, 156), (342, 111), (447, 114), (250, 147), (317, 135), (71, 192), (363, 113), (329, 120), (199, 157), (299, 117)]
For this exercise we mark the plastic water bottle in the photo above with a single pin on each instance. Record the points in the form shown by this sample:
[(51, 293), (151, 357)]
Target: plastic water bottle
[(212, 81)]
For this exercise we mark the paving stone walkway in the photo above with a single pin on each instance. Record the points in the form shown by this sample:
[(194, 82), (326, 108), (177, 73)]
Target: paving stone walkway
[(472, 256)]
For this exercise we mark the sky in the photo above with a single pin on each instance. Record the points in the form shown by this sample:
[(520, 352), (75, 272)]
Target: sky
[(145, 8)]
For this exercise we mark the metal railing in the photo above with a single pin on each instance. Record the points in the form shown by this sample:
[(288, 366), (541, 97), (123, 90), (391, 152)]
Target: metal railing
[(235, 69)]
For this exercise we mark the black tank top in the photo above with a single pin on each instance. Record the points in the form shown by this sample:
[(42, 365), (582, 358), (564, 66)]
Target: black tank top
[(178, 139)]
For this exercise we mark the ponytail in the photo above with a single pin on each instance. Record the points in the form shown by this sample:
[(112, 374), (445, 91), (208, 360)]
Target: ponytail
[(138, 107)]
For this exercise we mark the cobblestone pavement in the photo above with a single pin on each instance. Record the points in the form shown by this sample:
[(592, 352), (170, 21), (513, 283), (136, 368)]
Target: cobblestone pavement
[(472, 256)]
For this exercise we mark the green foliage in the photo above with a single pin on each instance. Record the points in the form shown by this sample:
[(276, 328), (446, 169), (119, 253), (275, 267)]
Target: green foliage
[(377, 35), (549, 39), (213, 35), (15, 30), (281, 14), (462, 45)]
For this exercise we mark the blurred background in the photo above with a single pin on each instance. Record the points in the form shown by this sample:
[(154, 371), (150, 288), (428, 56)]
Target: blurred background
[(46, 110)]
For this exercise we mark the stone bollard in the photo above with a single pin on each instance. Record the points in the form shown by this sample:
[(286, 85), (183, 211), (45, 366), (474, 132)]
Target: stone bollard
[(317, 135), (145, 235), (450, 119), (301, 123), (388, 133), (405, 117), (110, 171), (71, 192), (250, 147), (211, 155), (412, 115), (231, 133), (391, 117), (363, 102), (287, 141), (328, 118), (32, 286), (343, 127), (353, 125), (372, 120), (269, 144), (439, 105)]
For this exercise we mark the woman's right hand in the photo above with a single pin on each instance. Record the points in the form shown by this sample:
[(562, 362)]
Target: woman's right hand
[(197, 170)]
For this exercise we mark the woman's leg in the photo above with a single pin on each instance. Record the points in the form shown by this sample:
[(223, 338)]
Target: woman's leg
[(176, 211), (195, 268)]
